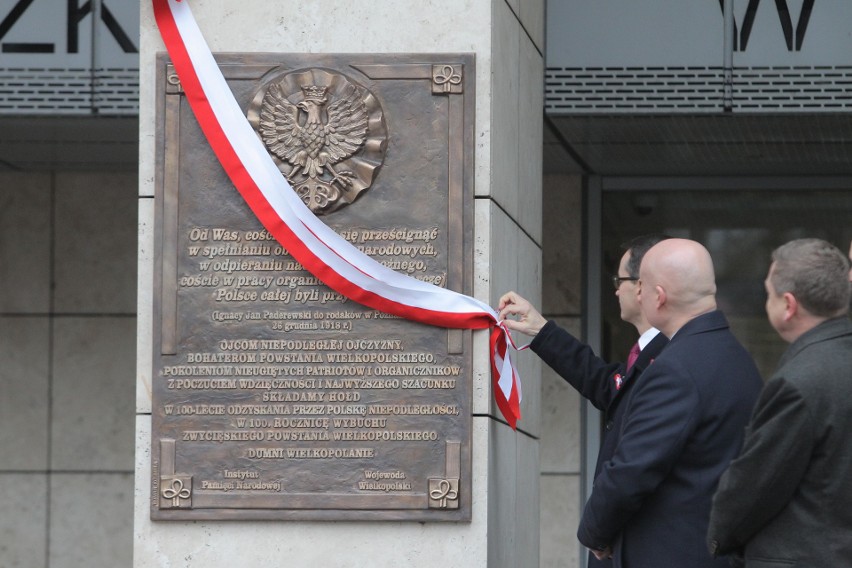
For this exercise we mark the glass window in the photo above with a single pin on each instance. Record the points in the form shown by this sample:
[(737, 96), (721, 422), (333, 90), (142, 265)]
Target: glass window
[(740, 229)]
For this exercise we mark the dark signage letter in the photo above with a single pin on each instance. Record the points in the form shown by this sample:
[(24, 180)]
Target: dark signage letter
[(9, 21)]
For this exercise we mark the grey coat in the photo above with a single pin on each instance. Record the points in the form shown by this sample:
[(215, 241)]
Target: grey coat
[(786, 501)]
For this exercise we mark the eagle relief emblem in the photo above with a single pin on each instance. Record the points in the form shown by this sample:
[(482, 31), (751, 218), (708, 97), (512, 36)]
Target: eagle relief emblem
[(326, 133)]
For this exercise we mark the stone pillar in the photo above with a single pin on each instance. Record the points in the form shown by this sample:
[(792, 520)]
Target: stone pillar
[(507, 40), (561, 414)]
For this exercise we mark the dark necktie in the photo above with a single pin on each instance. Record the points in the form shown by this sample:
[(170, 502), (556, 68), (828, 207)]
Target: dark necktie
[(634, 354)]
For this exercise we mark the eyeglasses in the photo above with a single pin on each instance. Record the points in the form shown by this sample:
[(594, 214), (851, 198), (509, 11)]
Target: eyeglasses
[(617, 280)]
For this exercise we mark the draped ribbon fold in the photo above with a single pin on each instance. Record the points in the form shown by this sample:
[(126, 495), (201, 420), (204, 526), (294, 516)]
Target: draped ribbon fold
[(320, 250)]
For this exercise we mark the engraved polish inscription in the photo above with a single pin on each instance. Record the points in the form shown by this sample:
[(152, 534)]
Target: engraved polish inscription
[(319, 381), (274, 396)]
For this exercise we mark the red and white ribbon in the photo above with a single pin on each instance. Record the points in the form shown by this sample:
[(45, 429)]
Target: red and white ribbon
[(320, 250)]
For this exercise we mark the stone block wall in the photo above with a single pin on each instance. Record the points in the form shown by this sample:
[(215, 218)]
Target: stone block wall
[(67, 347)]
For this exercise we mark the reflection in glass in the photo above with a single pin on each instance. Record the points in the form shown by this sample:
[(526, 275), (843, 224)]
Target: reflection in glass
[(740, 229)]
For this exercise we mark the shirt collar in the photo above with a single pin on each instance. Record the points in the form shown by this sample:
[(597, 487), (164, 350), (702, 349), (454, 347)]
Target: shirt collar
[(646, 337)]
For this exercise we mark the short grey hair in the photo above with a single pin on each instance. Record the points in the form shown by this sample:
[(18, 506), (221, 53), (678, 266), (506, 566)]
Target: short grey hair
[(816, 273)]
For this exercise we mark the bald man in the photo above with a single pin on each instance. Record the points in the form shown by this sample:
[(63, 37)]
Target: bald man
[(683, 423)]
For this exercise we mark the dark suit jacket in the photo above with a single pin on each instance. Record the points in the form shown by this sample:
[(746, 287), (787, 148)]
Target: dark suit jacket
[(604, 384), (683, 423), (594, 378), (787, 500)]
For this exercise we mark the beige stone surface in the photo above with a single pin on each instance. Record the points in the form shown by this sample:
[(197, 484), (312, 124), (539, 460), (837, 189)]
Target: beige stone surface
[(516, 149), (144, 303), (25, 242), (503, 484), (25, 387), (530, 125), (560, 516), (527, 506), (506, 259), (96, 226), (560, 417), (23, 524), (562, 242), (91, 520), (505, 87), (513, 486), (532, 17), (92, 398)]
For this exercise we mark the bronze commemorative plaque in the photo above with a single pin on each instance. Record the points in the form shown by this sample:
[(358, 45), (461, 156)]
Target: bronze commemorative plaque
[(275, 397)]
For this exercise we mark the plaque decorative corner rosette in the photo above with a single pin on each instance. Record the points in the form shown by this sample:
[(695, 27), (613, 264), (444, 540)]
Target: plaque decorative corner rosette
[(176, 492), (326, 133), (447, 79), (174, 489), (443, 493)]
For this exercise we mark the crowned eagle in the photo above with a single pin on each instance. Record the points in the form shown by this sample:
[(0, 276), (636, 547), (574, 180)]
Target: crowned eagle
[(312, 136)]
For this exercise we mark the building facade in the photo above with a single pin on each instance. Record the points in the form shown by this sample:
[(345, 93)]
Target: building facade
[(727, 122)]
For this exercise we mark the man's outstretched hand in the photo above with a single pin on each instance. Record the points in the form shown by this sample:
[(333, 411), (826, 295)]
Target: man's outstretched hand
[(524, 317)]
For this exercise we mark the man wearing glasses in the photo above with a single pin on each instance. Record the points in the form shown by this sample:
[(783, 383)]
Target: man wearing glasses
[(603, 384)]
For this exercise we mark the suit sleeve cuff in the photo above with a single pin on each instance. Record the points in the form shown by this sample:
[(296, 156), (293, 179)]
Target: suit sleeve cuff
[(542, 335)]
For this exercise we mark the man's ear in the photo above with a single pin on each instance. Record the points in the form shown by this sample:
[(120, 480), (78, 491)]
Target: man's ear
[(791, 308), (661, 296)]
